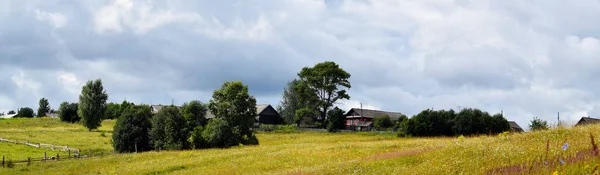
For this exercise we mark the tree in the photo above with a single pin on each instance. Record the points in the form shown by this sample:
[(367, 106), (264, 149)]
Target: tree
[(11, 112), (324, 80), (233, 103), (382, 122), (194, 113), (499, 124), (67, 112), (538, 124), (92, 104), (113, 111), (296, 96), (25, 112), (336, 120), (169, 129), (219, 134), (44, 107), (131, 130)]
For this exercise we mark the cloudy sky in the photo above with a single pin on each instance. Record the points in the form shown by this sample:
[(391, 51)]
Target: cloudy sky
[(526, 58)]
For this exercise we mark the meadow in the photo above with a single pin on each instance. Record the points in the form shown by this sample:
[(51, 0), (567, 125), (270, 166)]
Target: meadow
[(322, 153)]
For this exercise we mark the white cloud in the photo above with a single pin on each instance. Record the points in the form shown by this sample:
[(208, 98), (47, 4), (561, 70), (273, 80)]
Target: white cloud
[(56, 19)]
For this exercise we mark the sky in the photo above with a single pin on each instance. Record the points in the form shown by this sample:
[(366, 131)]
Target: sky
[(527, 59)]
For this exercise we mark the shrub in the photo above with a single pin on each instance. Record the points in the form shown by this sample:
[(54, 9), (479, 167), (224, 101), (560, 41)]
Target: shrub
[(169, 129), (219, 134), (382, 122), (132, 129), (25, 112), (291, 128), (196, 140), (67, 112), (538, 124), (335, 120)]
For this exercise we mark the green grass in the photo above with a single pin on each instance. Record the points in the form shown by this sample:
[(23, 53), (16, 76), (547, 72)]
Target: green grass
[(53, 131), (22, 152), (327, 153)]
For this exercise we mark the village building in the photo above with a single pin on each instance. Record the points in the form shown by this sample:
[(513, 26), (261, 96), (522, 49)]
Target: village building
[(587, 120), (514, 127), (265, 114), (362, 119)]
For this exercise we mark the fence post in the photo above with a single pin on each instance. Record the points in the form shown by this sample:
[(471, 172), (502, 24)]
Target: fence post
[(57, 156), (69, 153), (45, 156), (90, 152), (28, 161), (2, 161)]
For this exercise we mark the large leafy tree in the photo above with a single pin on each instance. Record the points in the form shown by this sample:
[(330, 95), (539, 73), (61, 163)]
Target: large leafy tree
[(194, 113), (113, 111), (92, 104), (25, 112), (169, 129), (11, 112), (131, 130), (296, 96), (233, 103), (67, 112), (44, 107), (326, 81), (538, 124)]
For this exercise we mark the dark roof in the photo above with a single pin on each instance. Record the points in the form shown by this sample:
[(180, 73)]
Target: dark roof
[(587, 120), (515, 127), (369, 113), (259, 109)]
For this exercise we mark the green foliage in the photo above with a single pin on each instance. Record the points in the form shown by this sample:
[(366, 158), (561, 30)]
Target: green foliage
[(194, 113), (25, 112), (11, 112), (325, 82), (92, 104), (382, 122), (398, 124), (279, 128), (113, 111), (44, 107), (302, 113), (168, 130), (431, 123), (538, 124), (196, 140), (218, 134), (448, 123), (10, 164), (67, 112), (233, 103), (132, 129), (296, 96), (335, 119), (474, 121)]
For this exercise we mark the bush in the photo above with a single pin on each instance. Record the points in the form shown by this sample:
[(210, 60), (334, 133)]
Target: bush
[(25, 112), (278, 128), (132, 129), (335, 119), (219, 134), (382, 122), (538, 124), (169, 130), (196, 140), (67, 112)]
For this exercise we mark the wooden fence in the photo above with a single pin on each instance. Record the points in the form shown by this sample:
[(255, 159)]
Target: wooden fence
[(41, 145), (7, 162)]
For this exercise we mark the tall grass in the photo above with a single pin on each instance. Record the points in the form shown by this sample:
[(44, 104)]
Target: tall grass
[(349, 153)]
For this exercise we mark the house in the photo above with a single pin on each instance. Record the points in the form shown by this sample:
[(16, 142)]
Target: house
[(52, 115), (514, 127), (156, 108), (587, 120), (265, 114), (362, 119), (8, 116)]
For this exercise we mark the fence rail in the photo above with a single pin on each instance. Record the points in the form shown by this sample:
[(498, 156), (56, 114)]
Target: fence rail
[(41, 145)]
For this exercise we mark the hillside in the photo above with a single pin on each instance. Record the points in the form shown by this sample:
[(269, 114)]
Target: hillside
[(320, 153)]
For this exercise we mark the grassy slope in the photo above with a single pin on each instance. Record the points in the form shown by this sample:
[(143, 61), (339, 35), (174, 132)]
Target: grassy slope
[(325, 153), (52, 131)]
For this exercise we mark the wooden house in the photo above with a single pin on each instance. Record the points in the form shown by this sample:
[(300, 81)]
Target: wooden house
[(587, 120), (362, 119), (514, 127)]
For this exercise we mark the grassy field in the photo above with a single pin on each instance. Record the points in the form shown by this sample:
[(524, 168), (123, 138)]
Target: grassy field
[(329, 153)]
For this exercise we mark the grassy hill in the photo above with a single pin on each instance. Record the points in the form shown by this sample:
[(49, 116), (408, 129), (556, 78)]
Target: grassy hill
[(323, 153)]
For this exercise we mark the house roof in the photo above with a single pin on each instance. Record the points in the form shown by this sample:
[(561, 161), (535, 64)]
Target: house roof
[(588, 120), (259, 109), (8, 116), (515, 127), (369, 113)]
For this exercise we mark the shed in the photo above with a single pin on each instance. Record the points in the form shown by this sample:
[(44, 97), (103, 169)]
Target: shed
[(587, 120), (514, 127)]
